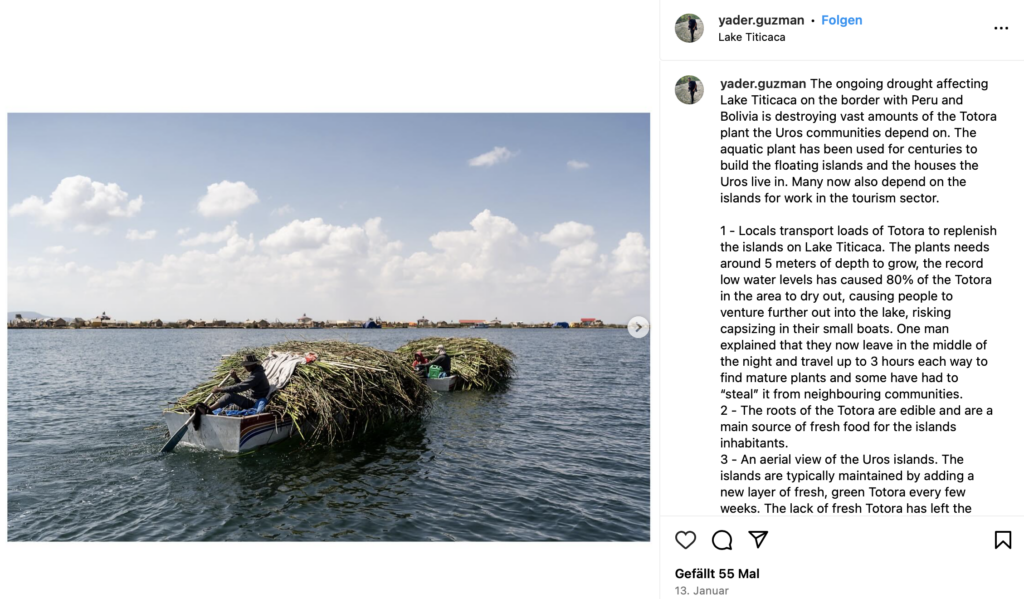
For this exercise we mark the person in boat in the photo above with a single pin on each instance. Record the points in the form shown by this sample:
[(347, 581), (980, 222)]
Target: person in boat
[(257, 384), (442, 360), (420, 360)]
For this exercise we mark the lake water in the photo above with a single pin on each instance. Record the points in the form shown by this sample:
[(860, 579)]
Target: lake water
[(563, 454)]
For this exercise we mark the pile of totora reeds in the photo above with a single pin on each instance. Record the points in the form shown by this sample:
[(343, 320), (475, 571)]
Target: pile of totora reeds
[(478, 363), (347, 390)]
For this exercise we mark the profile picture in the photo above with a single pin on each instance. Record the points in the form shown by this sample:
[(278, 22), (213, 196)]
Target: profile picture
[(689, 28), (689, 89)]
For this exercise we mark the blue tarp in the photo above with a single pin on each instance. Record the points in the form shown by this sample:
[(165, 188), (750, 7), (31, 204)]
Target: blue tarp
[(261, 404), (369, 324), (560, 325)]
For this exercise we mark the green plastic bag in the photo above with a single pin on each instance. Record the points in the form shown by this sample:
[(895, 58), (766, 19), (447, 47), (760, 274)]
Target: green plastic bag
[(434, 372)]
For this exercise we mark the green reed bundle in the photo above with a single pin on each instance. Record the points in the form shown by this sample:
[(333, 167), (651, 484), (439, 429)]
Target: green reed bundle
[(349, 389), (478, 363)]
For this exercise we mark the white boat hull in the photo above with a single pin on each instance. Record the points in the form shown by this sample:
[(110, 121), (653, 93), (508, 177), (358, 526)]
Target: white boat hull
[(445, 384), (231, 433)]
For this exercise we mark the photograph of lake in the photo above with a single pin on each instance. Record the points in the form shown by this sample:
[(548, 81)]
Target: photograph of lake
[(328, 327)]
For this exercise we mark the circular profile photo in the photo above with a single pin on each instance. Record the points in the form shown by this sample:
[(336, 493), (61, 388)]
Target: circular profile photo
[(689, 89), (689, 28)]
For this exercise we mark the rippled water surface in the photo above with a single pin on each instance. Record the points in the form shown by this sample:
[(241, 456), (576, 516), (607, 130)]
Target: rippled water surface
[(562, 455)]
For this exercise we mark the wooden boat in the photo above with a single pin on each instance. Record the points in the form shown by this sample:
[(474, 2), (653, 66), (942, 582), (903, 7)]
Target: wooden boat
[(445, 384), (232, 434)]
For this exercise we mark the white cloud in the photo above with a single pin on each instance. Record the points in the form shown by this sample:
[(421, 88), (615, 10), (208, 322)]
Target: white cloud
[(582, 255), (495, 156), (282, 211), (315, 244), (577, 165), (577, 265), (472, 262), (486, 269), (227, 199), (204, 238), (184, 231), (59, 250), (298, 235), (79, 201), (567, 234), (632, 255), (627, 269), (134, 235), (379, 246), (44, 270), (488, 248), (237, 245), (580, 266), (488, 232)]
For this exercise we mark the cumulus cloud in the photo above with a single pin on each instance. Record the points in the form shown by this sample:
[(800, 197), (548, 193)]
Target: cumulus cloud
[(490, 245), (352, 271), (495, 156), (631, 256), (282, 211), (378, 242), (488, 232), (184, 231), (227, 199), (59, 250), (315, 243), (580, 265), (205, 238), (567, 234), (134, 235), (577, 165), (627, 268), (237, 245), (298, 235), (485, 257), (580, 256), (79, 201), (45, 270), (577, 264)]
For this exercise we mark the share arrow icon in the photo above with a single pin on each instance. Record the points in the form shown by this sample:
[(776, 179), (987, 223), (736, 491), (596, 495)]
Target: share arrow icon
[(759, 536)]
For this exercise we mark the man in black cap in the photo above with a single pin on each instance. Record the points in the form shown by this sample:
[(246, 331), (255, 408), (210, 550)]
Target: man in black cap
[(256, 383), (442, 360)]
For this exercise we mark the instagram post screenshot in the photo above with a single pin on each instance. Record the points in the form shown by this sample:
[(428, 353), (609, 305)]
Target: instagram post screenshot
[(661, 299)]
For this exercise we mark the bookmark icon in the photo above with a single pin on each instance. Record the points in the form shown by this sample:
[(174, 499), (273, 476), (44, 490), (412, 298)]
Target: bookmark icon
[(1004, 538)]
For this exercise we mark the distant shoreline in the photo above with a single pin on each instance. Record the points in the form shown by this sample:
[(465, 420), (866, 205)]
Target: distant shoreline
[(291, 328)]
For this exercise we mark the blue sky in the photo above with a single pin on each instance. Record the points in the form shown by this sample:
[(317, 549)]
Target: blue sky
[(585, 173)]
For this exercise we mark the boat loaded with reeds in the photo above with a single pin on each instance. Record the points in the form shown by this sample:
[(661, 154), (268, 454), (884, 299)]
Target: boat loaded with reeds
[(476, 363), (347, 389), (336, 391)]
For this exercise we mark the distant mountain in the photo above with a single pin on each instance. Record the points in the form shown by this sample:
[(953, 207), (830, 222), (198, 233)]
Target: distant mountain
[(29, 315)]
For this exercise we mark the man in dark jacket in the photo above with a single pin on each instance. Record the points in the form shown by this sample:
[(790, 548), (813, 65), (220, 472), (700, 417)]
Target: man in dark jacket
[(692, 88), (441, 360), (257, 384), (692, 26)]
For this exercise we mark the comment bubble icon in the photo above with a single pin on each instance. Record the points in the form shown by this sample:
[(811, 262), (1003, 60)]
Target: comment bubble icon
[(722, 540)]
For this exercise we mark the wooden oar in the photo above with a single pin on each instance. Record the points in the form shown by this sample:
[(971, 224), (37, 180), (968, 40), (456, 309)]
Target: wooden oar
[(177, 436)]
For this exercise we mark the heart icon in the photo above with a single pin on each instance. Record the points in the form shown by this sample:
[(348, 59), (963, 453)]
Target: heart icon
[(685, 538)]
